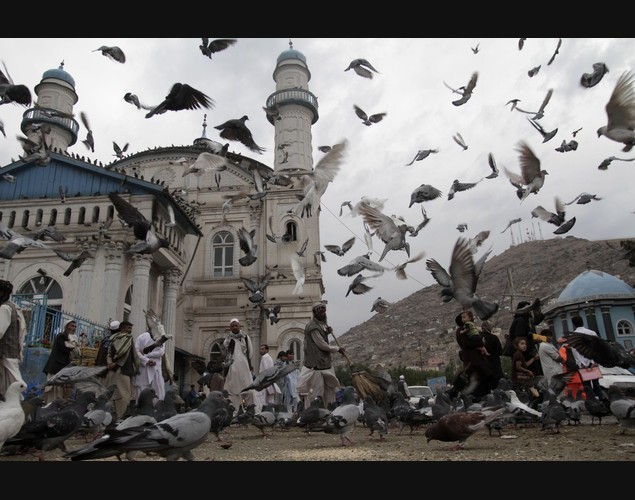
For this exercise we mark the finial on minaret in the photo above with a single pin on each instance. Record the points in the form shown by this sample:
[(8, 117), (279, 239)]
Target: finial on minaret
[(61, 65), (204, 124), (290, 44)]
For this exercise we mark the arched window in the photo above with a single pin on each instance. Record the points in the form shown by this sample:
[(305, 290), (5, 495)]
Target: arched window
[(624, 327), (296, 346), (291, 232), (223, 254)]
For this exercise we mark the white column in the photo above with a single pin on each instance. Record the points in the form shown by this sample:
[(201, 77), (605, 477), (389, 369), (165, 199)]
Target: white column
[(112, 301), (140, 289), (85, 278), (171, 278)]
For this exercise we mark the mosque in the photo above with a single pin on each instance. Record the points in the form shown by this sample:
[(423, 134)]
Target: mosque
[(196, 285)]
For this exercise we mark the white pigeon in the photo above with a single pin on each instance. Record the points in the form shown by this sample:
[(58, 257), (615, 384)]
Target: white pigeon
[(206, 162), (298, 273), (514, 405), (323, 174), (11, 412), (620, 111)]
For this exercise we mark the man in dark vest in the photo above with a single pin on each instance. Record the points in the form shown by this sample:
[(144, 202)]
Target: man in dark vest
[(12, 335)]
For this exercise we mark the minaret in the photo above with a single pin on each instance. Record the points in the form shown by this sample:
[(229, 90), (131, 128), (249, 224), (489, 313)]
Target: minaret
[(55, 99), (298, 110)]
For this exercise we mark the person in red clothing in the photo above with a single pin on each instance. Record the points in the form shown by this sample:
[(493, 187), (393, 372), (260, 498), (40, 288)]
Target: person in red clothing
[(569, 365)]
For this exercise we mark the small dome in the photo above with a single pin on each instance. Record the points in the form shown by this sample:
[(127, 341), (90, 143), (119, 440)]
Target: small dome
[(594, 283), (60, 74), (291, 54)]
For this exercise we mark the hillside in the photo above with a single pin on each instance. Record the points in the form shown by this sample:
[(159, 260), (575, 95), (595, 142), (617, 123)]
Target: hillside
[(419, 330)]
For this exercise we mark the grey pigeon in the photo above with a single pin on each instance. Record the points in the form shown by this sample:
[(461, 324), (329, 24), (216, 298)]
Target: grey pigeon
[(83, 378), (622, 408), (457, 187), (546, 136), (393, 235), (553, 412), (19, 243), (358, 286), (182, 97), (119, 151), (343, 418), (400, 269), (113, 53), (557, 219), (380, 305), (422, 224), (10, 92), (272, 314), (375, 417), (458, 138), (556, 52), (257, 287), (534, 71), (620, 112), (166, 407), (236, 130), (492, 165), (541, 110), (76, 259), (314, 415), (584, 198), (248, 246), (422, 154), (359, 264), (511, 223), (467, 90), (368, 120), (461, 280), (532, 177), (589, 80), (337, 250), (208, 48), (595, 407), (89, 142), (12, 416), (606, 162), (459, 426), (270, 375), (607, 353), (425, 192), (148, 241), (362, 67), (173, 438), (264, 419)]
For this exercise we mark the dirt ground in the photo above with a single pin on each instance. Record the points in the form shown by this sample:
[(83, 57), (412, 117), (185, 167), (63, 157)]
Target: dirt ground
[(582, 442)]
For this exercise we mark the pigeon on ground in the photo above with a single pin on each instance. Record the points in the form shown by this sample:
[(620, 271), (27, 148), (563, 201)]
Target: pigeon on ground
[(166, 407), (461, 280), (422, 154), (605, 163), (385, 228), (148, 242), (236, 130), (343, 418), (595, 407), (366, 119), (362, 67), (182, 97), (257, 287), (589, 80), (553, 412), (515, 405), (323, 174), (12, 93), (584, 198), (113, 53), (458, 138), (264, 419), (425, 192), (541, 110), (173, 438), (375, 417), (248, 246), (314, 415), (459, 426), (622, 408), (380, 305), (467, 90), (620, 111), (12, 416), (532, 178), (558, 219), (359, 264), (208, 48), (76, 259), (337, 250), (607, 353), (557, 51), (99, 416)]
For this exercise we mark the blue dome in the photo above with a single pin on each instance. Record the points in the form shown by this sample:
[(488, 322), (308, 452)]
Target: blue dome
[(594, 283), (60, 74), (291, 54)]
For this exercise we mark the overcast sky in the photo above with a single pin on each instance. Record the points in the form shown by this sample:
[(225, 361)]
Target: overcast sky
[(409, 87)]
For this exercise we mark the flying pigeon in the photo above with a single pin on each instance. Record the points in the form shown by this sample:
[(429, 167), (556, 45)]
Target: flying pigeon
[(572, 145), (76, 259), (521, 43), (368, 120), (270, 375), (119, 151), (337, 250), (534, 71), (557, 219), (11, 414), (182, 97), (385, 228), (492, 165), (478, 240), (248, 246), (148, 242), (531, 178), (236, 130), (134, 100), (425, 192), (12, 93), (461, 280), (541, 111), (19, 243), (272, 314), (362, 67), (620, 111), (357, 286), (514, 103), (589, 80), (113, 53), (359, 264), (422, 224), (606, 162), (458, 138), (467, 90), (584, 198), (172, 438), (298, 274), (475, 49), (380, 305), (257, 287), (574, 133), (462, 227), (422, 154), (400, 269), (459, 426), (546, 136), (457, 187), (89, 142), (603, 352), (323, 174), (208, 48), (156, 325), (557, 51)]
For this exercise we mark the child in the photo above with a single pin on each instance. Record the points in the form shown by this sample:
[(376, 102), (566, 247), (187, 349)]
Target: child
[(469, 329)]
